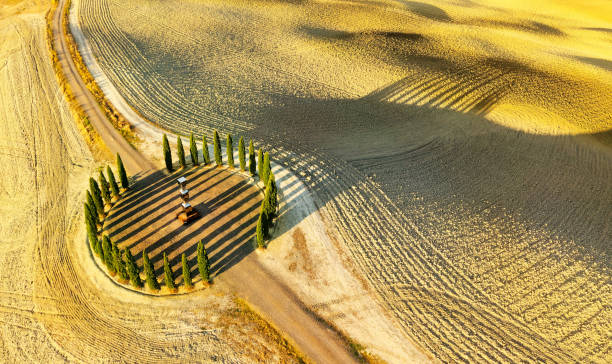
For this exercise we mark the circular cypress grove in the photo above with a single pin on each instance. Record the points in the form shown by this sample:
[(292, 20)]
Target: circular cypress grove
[(193, 150), (149, 272), (180, 152), (113, 183), (125, 183), (229, 149), (203, 264), (252, 163), (168, 274), (186, 272), (167, 154), (132, 270), (205, 150), (217, 147), (241, 158), (97, 197), (260, 164)]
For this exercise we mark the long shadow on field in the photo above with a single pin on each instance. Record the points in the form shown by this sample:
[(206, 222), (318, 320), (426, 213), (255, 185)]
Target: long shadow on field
[(426, 142)]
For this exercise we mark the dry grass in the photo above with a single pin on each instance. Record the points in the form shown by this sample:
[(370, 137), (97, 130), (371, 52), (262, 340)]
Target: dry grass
[(461, 150), (55, 306)]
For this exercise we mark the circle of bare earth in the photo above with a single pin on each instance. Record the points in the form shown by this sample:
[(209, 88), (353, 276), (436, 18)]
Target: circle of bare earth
[(145, 218)]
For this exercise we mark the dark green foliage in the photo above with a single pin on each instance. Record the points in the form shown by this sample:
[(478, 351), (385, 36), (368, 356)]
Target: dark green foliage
[(113, 183), (260, 164), (98, 249), (260, 231), (90, 218), (180, 152), (107, 250), (168, 274), (205, 150), (266, 169), (122, 175), (229, 149), (193, 150), (92, 231), (132, 269), (186, 272), (96, 194), (271, 198), (252, 163), (241, 158), (203, 264), (119, 264), (167, 154), (104, 188), (149, 272), (217, 146), (92, 207)]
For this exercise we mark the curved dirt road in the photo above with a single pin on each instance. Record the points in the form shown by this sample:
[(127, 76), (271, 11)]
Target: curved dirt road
[(247, 278), (134, 161)]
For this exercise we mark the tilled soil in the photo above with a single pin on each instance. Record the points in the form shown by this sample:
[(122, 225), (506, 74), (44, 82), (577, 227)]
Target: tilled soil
[(461, 153)]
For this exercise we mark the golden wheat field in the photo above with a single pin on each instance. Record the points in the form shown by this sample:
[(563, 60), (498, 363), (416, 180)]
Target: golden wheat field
[(55, 305), (459, 150)]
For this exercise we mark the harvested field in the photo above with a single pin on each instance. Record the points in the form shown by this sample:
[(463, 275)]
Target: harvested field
[(146, 219), (460, 151), (55, 305)]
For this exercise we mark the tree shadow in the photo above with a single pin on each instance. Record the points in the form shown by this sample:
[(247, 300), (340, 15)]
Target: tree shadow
[(146, 218)]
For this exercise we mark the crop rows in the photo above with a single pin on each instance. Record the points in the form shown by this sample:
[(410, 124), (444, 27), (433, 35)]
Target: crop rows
[(447, 227)]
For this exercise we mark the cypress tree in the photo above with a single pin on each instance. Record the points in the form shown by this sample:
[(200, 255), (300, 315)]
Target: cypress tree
[(252, 165), (149, 272), (122, 175), (180, 152), (203, 264), (168, 274), (107, 249), (167, 154), (119, 264), (132, 270), (273, 193), (260, 231), (92, 237), (193, 150), (186, 272), (205, 150), (92, 207), (113, 183), (241, 158), (260, 164), (230, 151), (104, 188), (98, 249), (97, 197), (270, 198), (90, 221), (266, 169), (217, 146)]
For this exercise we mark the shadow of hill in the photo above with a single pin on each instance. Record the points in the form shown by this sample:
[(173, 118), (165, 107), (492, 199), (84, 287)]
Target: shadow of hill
[(428, 137)]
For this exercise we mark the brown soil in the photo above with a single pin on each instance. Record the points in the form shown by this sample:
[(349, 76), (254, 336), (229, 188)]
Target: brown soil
[(146, 219)]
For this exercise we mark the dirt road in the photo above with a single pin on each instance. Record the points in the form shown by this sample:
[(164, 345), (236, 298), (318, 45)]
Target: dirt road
[(247, 278), (134, 161)]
